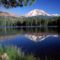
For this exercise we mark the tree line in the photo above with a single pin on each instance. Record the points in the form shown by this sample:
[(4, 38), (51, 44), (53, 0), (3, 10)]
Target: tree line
[(29, 21)]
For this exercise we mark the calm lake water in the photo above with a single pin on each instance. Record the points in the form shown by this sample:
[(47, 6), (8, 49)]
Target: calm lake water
[(35, 40)]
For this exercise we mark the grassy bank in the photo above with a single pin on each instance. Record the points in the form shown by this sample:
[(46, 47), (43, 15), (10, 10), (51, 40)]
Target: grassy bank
[(13, 53)]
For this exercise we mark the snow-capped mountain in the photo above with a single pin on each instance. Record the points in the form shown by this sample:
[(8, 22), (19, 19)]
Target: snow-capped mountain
[(37, 12), (34, 12)]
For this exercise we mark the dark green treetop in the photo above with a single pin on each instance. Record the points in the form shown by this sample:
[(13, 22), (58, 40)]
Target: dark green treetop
[(15, 3)]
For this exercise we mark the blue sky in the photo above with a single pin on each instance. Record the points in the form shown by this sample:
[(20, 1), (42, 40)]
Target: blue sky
[(50, 6)]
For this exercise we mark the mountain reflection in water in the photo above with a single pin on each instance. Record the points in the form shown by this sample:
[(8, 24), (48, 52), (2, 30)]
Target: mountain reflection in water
[(48, 46), (38, 41)]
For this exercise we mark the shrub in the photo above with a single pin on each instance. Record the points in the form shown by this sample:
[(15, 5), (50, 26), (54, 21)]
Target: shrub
[(15, 54)]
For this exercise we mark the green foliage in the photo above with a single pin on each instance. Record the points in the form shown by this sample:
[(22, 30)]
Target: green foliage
[(28, 21), (15, 3), (16, 54), (1, 50)]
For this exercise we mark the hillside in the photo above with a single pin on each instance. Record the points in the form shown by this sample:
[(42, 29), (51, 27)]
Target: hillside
[(6, 14)]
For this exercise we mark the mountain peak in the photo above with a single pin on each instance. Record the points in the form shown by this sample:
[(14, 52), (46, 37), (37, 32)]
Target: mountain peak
[(36, 12)]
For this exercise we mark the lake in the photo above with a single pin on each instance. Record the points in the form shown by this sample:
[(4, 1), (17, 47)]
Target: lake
[(40, 41)]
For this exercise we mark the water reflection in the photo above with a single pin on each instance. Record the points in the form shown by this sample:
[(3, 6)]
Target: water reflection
[(46, 48), (25, 30)]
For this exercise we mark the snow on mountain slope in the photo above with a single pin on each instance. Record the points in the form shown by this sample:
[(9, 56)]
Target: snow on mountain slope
[(37, 12), (55, 15)]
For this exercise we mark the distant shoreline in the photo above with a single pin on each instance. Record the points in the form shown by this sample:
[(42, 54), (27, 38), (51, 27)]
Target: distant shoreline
[(27, 26), (31, 33)]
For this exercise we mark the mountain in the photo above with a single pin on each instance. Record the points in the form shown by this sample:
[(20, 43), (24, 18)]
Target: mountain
[(7, 14), (55, 14), (37, 12)]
